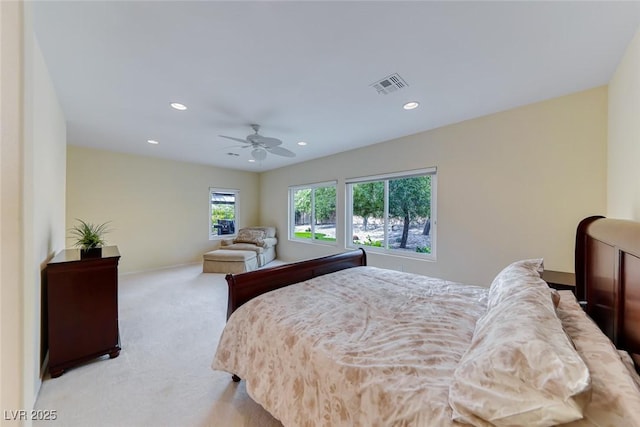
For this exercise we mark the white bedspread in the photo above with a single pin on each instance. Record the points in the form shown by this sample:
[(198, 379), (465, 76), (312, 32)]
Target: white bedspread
[(359, 347), (371, 347), (615, 401)]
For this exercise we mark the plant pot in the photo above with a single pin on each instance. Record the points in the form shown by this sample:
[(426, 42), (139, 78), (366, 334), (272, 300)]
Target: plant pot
[(91, 253)]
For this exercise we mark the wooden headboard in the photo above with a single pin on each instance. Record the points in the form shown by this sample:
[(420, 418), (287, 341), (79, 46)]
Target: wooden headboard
[(607, 263)]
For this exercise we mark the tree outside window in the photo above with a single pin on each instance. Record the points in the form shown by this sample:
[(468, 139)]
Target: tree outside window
[(222, 212), (313, 216), (394, 213)]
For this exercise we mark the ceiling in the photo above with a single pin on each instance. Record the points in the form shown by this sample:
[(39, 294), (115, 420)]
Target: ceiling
[(304, 70)]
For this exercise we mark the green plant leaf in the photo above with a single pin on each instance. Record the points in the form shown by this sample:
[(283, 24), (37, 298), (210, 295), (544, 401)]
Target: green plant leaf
[(88, 235)]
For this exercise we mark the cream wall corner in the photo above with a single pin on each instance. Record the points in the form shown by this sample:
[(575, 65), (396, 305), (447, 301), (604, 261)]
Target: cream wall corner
[(11, 254), (623, 188), (45, 145), (32, 204), (158, 208), (511, 185)]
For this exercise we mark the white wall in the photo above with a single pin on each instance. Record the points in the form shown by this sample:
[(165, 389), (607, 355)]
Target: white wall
[(44, 148), (158, 208), (511, 185), (11, 255), (623, 191), (32, 202)]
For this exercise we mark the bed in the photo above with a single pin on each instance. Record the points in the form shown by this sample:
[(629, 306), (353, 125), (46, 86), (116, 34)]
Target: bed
[(334, 342)]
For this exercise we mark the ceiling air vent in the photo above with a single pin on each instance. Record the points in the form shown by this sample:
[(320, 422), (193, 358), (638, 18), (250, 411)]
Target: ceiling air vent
[(389, 84)]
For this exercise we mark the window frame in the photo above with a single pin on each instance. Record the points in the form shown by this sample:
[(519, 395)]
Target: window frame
[(433, 172), (292, 215), (236, 210)]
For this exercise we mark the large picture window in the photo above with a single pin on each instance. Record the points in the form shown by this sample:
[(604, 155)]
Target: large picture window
[(393, 213), (223, 212), (312, 214)]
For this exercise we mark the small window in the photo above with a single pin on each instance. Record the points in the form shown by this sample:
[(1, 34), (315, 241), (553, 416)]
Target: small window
[(223, 212), (393, 213), (312, 215)]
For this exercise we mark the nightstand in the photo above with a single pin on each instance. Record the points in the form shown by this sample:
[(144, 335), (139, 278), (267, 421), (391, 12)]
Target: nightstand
[(560, 280)]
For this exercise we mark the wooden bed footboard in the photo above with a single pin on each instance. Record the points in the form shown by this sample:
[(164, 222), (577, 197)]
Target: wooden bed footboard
[(245, 286)]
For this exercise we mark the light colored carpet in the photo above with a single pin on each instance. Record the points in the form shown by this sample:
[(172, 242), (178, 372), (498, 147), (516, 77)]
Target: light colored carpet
[(170, 322)]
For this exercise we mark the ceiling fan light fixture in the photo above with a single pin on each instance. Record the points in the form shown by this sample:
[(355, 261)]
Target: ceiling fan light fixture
[(258, 153)]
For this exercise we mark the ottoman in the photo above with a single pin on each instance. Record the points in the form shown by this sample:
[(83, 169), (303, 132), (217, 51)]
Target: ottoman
[(229, 261)]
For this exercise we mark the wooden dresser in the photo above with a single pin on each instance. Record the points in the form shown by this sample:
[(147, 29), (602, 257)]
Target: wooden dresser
[(82, 307)]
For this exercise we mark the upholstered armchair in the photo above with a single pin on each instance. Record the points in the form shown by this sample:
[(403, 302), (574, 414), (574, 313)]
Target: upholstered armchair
[(261, 240)]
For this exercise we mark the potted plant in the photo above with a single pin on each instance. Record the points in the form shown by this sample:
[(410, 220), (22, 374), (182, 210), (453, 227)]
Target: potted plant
[(89, 237)]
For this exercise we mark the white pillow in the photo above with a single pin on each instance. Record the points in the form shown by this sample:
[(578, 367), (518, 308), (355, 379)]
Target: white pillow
[(514, 277), (521, 368), (249, 235)]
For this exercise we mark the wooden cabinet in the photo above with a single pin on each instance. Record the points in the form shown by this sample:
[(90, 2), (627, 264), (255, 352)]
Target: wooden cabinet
[(82, 307), (560, 280), (563, 281)]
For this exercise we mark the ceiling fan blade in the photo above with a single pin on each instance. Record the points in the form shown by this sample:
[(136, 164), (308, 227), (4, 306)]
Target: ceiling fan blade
[(235, 146), (281, 151), (267, 141), (260, 145), (244, 141)]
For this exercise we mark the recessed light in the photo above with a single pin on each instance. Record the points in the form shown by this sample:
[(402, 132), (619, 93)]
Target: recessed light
[(410, 105), (178, 106), (252, 160), (152, 141), (302, 143)]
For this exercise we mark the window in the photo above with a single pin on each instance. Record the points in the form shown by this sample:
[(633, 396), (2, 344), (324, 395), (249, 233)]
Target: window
[(393, 213), (223, 212), (312, 214)]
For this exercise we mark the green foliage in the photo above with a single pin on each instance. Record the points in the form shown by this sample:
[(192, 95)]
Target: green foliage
[(369, 242), (409, 202), (409, 199), (368, 200), (325, 201), (302, 201), (222, 212), (318, 236), (423, 249), (88, 235)]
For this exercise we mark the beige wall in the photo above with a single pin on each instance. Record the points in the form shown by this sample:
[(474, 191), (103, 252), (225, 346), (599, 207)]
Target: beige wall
[(32, 202), (11, 255), (623, 191), (44, 148), (511, 185), (158, 208)]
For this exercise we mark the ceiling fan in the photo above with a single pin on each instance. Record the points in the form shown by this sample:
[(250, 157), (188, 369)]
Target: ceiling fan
[(261, 145)]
